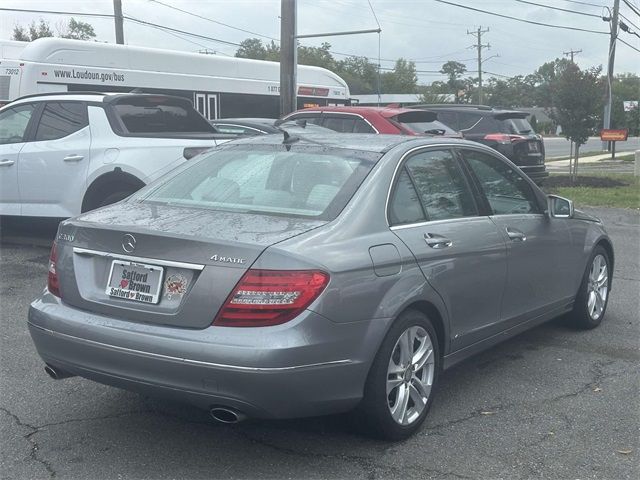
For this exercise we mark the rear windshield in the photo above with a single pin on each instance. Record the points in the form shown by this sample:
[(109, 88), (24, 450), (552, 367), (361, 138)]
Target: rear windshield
[(311, 182), (433, 128), (515, 125), (152, 115)]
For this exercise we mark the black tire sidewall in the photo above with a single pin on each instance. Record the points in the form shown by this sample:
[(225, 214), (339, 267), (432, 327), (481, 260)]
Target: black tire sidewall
[(374, 406), (580, 314)]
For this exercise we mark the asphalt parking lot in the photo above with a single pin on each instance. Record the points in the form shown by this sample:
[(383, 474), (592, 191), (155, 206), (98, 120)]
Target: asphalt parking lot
[(551, 403)]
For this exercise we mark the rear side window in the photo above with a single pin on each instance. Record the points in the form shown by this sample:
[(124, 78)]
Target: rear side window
[(468, 120), (302, 181), (506, 189), (441, 185), (342, 123), (60, 119), (405, 205), (158, 115), (14, 122), (450, 119), (362, 127)]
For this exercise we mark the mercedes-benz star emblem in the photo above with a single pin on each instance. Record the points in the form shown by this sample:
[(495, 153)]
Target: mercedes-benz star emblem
[(128, 243)]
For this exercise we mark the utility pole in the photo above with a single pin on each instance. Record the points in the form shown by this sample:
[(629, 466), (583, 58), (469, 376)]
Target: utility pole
[(117, 11), (478, 34), (612, 55), (288, 57), (571, 53)]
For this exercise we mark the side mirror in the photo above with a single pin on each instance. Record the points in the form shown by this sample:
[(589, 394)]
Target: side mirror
[(559, 207)]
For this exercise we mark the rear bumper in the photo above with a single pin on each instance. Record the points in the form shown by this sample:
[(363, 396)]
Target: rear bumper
[(536, 173), (302, 369)]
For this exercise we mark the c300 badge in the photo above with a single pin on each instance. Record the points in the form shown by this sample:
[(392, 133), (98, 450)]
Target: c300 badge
[(175, 284)]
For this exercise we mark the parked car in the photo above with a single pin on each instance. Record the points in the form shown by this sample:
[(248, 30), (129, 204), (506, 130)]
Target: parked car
[(248, 127), (396, 121), (507, 131), (66, 153), (283, 276)]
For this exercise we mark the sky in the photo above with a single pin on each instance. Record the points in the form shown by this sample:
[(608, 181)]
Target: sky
[(425, 31)]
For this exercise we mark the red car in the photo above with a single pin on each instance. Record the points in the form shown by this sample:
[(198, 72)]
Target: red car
[(392, 120)]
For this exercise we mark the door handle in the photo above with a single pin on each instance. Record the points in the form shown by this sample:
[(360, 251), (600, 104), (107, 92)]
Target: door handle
[(437, 241), (6, 163), (73, 158), (516, 235)]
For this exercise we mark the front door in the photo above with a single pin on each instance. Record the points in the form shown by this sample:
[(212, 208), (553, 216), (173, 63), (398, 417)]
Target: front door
[(539, 248), (53, 167), (461, 253), (13, 134)]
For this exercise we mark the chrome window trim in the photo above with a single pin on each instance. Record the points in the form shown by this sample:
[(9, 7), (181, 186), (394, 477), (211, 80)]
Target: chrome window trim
[(187, 361), (237, 125), (438, 222), (133, 258)]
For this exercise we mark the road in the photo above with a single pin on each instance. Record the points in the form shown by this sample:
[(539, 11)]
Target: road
[(559, 146), (550, 403)]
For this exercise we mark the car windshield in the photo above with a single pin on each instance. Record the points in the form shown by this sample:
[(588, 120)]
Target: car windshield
[(434, 128), (289, 180)]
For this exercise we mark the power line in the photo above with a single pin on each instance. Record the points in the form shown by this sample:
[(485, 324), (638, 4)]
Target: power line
[(632, 7), (629, 22), (58, 12), (585, 3), (170, 29), (629, 45), (215, 21), (521, 19), (558, 8)]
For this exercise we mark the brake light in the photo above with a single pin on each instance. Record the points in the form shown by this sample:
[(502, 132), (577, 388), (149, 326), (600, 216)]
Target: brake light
[(503, 137), (270, 297), (53, 283)]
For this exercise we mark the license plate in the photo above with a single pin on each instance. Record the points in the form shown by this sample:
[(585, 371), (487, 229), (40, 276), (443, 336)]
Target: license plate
[(137, 282), (534, 147)]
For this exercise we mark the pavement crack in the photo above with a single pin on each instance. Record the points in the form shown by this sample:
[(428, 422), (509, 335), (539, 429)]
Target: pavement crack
[(33, 453)]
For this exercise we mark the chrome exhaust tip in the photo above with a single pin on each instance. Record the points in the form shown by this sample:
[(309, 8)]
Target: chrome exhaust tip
[(226, 415), (56, 373)]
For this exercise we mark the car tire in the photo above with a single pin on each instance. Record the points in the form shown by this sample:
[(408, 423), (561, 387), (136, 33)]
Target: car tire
[(381, 411), (593, 296)]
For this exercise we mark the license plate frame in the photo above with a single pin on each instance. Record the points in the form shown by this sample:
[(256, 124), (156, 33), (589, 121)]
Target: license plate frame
[(136, 279)]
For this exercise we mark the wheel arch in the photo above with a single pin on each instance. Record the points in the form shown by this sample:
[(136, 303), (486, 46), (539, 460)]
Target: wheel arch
[(437, 320), (101, 184), (608, 247)]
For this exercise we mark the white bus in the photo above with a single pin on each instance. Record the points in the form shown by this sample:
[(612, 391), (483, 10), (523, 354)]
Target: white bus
[(218, 86)]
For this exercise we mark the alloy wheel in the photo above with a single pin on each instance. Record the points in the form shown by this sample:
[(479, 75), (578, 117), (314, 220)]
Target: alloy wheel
[(597, 287)]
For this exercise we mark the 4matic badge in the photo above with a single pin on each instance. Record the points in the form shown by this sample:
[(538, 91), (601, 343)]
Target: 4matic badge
[(223, 259)]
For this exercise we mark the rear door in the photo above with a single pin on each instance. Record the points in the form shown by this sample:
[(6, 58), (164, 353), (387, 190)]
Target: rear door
[(461, 253), (53, 167), (539, 248), (14, 129)]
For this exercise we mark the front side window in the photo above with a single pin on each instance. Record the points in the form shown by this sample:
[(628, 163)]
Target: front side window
[(506, 189), (60, 119), (442, 188), (14, 122), (280, 180)]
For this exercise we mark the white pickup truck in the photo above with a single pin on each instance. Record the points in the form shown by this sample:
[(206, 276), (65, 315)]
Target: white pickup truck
[(66, 153)]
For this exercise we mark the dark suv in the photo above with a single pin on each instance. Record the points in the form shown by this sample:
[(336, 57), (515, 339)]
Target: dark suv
[(507, 131)]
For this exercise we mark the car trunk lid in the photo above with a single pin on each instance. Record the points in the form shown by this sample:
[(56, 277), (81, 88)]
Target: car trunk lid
[(163, 264)]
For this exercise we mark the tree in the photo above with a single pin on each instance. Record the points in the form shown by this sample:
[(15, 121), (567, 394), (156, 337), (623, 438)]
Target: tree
[(402, 79), (252, 48), (360, 74), (42, 29), (454, 70), (74, 29), (78, 30), (625, 87), (317, 56), (576, 97)]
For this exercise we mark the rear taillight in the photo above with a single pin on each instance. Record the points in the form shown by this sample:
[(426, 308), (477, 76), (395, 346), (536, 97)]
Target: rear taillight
[(503, 137), (53, 284), (271, 297)]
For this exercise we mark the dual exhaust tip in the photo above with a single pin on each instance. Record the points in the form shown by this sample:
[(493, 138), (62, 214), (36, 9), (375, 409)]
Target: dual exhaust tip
[(219, 414)]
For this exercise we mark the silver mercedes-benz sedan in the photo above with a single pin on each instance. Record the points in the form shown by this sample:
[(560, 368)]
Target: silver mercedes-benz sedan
[(285, 276)]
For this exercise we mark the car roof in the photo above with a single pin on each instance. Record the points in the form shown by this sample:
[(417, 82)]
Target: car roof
[(386, 112), (368, 142)]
